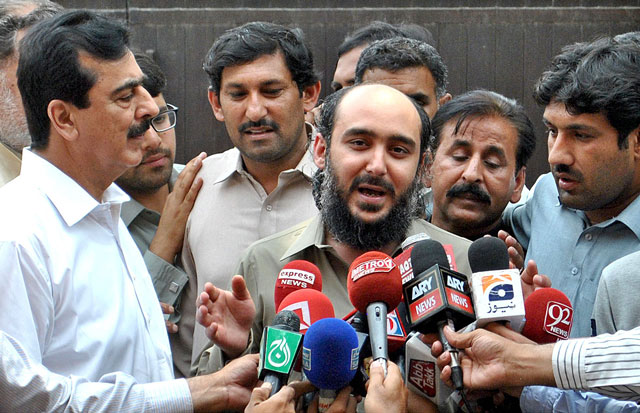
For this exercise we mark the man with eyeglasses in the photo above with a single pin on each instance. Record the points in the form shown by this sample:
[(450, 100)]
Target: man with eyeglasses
[(161, 200)]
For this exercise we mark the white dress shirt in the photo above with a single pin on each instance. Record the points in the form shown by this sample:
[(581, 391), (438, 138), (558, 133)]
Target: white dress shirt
[(26, 386), (76, 292)]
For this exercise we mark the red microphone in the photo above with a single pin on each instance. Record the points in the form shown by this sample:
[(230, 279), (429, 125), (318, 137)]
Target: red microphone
[(375, 288), (549, 316), (310, 306), (296, 275)]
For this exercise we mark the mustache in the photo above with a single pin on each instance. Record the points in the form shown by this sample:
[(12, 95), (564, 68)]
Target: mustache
[(469, 188), (567, 170), (165, 151), (372, 180), (139, 129), (262, 122)]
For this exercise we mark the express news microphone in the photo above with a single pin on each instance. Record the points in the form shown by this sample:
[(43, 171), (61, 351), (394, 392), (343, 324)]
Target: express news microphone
[(436, 297), (279, 348), (496, 289), (549, 316), (330, 357), (296, 275), (375, 288)]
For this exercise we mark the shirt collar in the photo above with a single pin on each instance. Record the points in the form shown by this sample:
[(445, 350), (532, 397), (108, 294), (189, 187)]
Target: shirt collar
[(71, 200), (312, 235), (629, 217)]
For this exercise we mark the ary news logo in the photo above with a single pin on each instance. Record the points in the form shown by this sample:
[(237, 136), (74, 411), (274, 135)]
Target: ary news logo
[(422, 374), (303, 312), (371, 266), (558, 319), (279, 349), (296, 278)]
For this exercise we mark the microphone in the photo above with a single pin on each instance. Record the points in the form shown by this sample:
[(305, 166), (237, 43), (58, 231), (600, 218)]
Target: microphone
[(309, 305), (496, 289), (375, 288), (436, 297), (330, 357), (549, 316), (279, 349), (296, 275)]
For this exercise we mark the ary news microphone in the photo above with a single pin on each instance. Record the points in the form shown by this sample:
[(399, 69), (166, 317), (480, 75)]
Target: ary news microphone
[(436, 297), (309, 305), (375, 288), (296, 275), (279, 348), (496, 289), (330, 357), (549, 316)]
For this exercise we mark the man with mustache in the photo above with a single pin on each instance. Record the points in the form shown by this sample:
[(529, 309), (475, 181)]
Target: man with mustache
[(481, 144), (16, 16), (370, 147), (262, 83), (156, 215)]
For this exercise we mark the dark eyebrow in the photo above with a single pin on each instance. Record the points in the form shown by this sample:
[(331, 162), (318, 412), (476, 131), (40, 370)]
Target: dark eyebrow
[(367, 132), (420, 97), (493, 149), (130, 84), (575, 127), (269, 82)]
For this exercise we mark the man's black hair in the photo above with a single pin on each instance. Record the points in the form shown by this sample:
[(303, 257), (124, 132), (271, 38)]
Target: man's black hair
[(379, 30), (248, 42), (49, 66), (481, 104), (401, 53), (597, 77)]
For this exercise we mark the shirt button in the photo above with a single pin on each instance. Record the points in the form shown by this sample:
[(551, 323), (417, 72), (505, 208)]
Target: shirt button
[(588, 237), (269, 208), (574, 270)]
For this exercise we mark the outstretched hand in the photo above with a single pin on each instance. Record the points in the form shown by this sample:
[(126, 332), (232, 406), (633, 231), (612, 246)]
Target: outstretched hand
[(227, 315)]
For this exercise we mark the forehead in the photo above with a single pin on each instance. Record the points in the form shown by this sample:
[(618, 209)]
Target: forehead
[(111, 74), (481, 132), (346, 66), (409, 80), (265, 68), (557, 114), (379, 109)]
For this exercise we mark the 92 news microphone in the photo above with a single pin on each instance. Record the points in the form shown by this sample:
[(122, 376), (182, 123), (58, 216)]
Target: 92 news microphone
[(496, 289), (549, 316), (375, 288), (437, 296), (309, 305), (279, 348), (330, 357), (296, 275)]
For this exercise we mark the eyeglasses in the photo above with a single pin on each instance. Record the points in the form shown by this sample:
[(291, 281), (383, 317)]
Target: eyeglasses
[(165, 120)]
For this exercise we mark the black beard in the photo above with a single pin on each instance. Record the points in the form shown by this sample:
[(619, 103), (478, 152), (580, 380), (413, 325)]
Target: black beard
[(349, 230)]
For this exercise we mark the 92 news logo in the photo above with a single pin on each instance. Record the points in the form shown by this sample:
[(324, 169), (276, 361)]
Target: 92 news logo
[(558, 319)]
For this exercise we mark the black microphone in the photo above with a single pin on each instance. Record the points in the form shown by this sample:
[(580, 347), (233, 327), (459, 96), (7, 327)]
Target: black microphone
[(436, 297), (279, 349), (359, 323)]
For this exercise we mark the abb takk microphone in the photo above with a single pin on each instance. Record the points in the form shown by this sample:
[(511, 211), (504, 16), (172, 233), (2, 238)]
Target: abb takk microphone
[(279, 348), (330, 357), (296, 275), (496, 289), (549, 316), (375, 288)]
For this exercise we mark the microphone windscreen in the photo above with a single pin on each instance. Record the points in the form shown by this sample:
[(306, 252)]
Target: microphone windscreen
[(296, 275), (374, 277), (310, 306), (549, 316), (330, 354), (488, 254), (426, 254), (286, 320)]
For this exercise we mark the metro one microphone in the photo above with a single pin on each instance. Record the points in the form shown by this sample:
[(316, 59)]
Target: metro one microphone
[(296, 275), (279, 348), (549, 316), (330, 357), (497, 291), (436, 297), (375, 287)]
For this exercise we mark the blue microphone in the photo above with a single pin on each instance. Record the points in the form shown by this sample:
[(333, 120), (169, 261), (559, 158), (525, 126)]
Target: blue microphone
[(330, 355)]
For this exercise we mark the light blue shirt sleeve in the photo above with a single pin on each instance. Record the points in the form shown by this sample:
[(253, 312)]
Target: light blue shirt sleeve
[(541, 399)]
